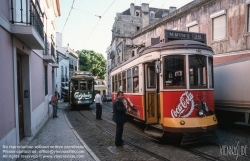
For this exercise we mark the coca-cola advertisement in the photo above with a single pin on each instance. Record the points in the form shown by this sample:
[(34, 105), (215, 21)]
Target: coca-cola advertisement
[(133, 103), (186, 104), (131, 109)]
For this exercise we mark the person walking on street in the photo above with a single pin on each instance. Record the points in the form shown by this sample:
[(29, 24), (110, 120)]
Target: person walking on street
[(54, 102), (98, 102), (120, 117)]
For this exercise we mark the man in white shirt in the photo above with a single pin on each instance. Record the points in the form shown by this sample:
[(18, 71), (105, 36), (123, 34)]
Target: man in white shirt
[(98, 102)]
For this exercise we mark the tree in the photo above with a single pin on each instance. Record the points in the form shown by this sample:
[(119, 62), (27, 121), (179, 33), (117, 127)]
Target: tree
[(91, 61)]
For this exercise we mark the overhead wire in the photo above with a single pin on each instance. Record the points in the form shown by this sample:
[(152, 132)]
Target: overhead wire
[(99, 21), (91, 13), (68, 15), (150, 2)]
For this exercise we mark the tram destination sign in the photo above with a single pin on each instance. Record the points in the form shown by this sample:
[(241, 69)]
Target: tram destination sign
[(184, 35)]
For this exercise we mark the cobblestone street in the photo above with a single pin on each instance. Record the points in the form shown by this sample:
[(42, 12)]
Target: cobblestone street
[(99, 136)]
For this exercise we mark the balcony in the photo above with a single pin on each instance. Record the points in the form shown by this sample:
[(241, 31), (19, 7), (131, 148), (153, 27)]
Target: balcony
[(27, 25), (49, 51)]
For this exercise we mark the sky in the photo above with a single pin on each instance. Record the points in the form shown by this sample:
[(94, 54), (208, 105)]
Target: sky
[(84, 29)]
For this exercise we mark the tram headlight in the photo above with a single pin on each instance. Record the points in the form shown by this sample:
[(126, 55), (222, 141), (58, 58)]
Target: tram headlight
[(200, 112), (182, 122)]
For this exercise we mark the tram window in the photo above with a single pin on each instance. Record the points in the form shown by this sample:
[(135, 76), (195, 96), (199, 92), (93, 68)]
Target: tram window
[(210, 72), (174, 71), (124, 81), (119, 81), (135, 80), (197, 71), (75, 85), (83, 86), (129, 80), (113, 83), (116, 83), (90, 86), (151, 77)]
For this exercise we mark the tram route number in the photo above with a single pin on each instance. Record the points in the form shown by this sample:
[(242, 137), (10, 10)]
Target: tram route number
[(170, 34)]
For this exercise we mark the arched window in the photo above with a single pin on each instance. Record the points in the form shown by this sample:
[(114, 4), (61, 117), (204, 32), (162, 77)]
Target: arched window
[(152, 14)]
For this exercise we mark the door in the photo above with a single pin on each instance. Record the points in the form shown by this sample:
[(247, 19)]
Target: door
[(151, 94), (20, 97)]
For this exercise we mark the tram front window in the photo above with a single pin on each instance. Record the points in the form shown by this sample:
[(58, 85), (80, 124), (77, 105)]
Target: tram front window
[(83, 86), (90, 86), (174, 71), (197, 71)]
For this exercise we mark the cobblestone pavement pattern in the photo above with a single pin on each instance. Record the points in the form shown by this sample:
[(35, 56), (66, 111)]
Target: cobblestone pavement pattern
[(82, 125), (57, 141)]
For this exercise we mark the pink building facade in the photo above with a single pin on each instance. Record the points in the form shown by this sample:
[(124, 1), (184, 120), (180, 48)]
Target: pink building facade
[(27, 63)]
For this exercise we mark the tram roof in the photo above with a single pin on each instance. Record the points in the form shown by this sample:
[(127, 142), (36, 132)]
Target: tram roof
[(177, 44)]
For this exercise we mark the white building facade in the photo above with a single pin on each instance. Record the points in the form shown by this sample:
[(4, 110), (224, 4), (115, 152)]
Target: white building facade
[(68, 62)]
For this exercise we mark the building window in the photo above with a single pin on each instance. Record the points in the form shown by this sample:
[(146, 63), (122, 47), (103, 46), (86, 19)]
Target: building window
[(248, 18), (65, 72), (46, 79), (194, 28), (137, 13), (152, 14), (219, 25)]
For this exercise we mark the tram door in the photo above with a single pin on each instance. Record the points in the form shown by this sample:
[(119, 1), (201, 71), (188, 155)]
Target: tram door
[(151, 94)]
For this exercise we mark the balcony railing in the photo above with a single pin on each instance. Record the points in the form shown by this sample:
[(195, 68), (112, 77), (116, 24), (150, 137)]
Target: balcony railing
[(52, 47), (49, 51), (19, 15)]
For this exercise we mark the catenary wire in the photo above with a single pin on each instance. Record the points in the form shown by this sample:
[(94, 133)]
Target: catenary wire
[(68, 15), (99, 21)]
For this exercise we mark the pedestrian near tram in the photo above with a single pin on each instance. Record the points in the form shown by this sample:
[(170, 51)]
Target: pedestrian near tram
[(98, 102), (120, 117), (54, 102)]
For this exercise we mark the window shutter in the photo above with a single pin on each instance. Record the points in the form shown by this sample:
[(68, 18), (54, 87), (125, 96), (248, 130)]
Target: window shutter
[(194, 28), (219, 27)]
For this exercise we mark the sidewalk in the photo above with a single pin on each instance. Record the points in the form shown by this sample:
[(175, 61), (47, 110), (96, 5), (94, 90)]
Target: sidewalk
[(57, 140)]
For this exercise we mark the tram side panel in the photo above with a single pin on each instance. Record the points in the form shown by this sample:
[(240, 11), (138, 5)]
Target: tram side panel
[(181, 111), (232, 91)]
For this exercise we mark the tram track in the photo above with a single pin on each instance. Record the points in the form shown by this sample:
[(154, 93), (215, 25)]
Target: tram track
[(159, 157), (198, 153), (127, 142)]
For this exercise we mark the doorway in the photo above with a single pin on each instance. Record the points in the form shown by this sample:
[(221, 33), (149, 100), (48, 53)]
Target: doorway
[(20, 97)]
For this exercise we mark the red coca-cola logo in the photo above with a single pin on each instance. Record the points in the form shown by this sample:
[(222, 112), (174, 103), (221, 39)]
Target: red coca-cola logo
[(184, 107)]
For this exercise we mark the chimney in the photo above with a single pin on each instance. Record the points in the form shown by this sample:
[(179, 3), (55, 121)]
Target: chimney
[(132, 9), (145, 14), (171, 9)]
